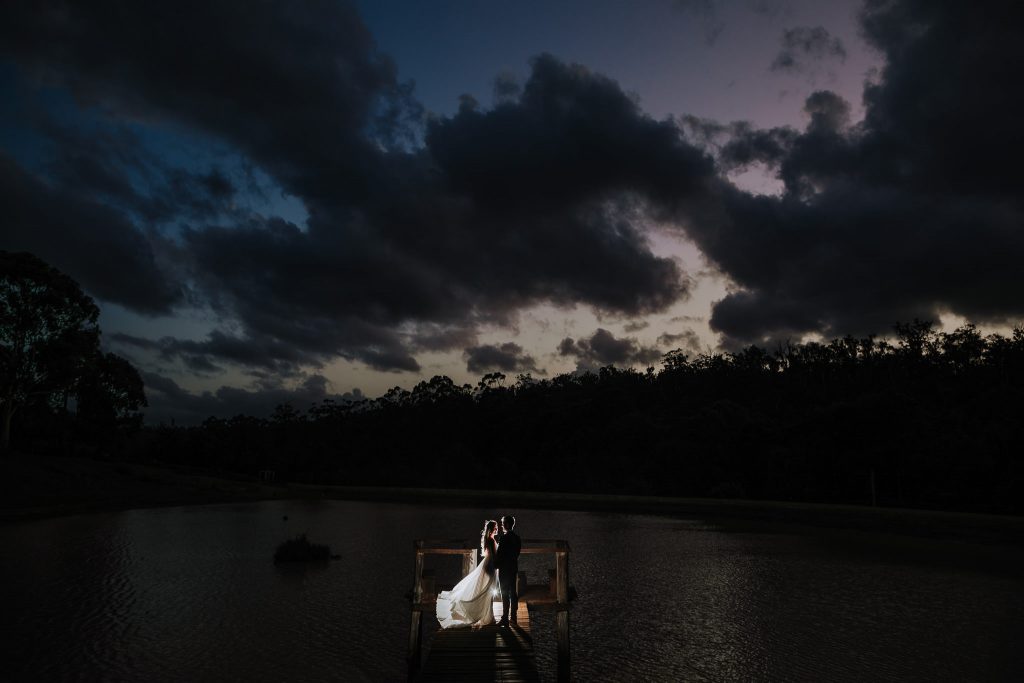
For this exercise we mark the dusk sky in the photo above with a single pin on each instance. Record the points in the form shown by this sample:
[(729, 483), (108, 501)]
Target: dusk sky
[(295, 201)]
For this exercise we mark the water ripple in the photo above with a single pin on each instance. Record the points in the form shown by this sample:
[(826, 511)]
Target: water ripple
[(190, 594)]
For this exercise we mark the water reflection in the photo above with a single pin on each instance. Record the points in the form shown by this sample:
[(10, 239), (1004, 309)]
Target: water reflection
[(192, 594)]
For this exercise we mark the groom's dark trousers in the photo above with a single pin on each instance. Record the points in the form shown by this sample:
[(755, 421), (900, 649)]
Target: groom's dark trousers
[(507, 564)]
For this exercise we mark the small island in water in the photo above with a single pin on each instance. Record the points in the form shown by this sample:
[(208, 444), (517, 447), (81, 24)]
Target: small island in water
[(301, 549)]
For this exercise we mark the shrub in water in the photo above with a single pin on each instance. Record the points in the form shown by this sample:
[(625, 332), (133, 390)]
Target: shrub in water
[(299, 549)]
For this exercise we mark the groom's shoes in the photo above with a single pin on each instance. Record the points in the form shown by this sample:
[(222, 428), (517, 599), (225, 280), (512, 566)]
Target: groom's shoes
[(503, 623)]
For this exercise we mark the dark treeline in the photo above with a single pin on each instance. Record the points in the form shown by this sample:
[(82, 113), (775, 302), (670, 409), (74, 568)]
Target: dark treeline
[(928, 420)]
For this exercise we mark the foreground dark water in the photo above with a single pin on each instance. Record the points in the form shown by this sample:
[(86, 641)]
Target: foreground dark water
[(191, 593)]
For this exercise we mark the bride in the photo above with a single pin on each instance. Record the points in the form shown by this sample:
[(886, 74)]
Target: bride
[(470, 602)]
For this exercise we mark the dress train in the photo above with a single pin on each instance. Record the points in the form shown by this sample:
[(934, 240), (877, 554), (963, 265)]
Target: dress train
[(470, 603)]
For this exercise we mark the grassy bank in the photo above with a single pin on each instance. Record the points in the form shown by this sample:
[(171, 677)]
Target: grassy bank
[(47, 486)]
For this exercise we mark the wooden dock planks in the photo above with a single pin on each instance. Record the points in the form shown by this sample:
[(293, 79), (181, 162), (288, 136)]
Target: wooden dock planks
[(490, 653)]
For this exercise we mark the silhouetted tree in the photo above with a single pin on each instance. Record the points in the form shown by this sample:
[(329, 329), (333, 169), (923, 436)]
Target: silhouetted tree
[(48, 334), (110, 392)]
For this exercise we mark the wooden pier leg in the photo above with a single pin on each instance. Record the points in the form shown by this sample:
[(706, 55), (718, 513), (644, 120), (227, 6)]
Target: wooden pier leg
[(562, 578), (415, 643), (415, 655), (562, 617), (564, 664), (417, 585)]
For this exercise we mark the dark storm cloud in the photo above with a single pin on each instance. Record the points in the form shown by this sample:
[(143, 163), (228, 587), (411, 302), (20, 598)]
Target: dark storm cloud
[(433, 337), (539, 199), (635, 326), (96, 243), (739, 144), (297, 88), (856, 259), (291, 86), (542, 194), (507, 357), (687, 340), (168, 400), (507, 87), (829, 115), (385, 359), (219, 347), (603, 348), (803, 46), (294, 85), (109, 164), (573, 135), (829, 112), (747, 145), (544, 197), (499, 212), (307, 294), (912, 212)]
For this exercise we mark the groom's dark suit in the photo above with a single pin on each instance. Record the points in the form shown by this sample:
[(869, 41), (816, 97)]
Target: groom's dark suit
[(506, 561)]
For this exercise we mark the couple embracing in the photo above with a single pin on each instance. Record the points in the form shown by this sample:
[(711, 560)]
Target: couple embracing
[(470, 602)]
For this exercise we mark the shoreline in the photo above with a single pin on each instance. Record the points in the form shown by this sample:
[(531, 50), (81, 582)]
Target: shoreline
[(40, 487), (54, 486), (905, 521)]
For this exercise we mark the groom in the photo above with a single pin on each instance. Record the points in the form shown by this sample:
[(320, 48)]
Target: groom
[(506, 561)]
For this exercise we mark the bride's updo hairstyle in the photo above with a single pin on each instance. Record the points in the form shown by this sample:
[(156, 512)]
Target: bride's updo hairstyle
[(489, 526)]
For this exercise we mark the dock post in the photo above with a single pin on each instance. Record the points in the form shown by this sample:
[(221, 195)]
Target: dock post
[(417, 577), (562, 625), (415, 643), (415, 656), (562, 616)]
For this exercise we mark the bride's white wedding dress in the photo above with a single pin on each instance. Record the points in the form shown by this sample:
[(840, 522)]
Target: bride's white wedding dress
[(470, 603)]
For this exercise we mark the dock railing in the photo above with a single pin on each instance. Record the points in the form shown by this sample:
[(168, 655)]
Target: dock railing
[(555, 596)]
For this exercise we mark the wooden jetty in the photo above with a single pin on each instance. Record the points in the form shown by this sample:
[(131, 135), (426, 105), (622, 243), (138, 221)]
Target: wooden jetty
[(490, 653)]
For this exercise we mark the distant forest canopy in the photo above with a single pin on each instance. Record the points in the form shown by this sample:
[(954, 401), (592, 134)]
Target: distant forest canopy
[(931, 420), (928, 419)]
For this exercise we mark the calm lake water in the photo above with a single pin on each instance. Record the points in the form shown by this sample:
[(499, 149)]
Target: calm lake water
[(191, 594)]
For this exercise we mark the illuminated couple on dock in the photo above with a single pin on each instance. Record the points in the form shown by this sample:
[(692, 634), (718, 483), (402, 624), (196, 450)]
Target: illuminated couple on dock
[(470, 602)]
